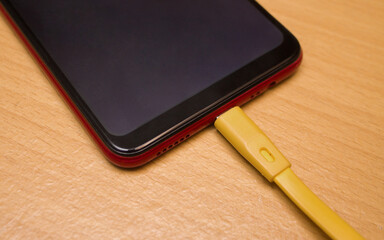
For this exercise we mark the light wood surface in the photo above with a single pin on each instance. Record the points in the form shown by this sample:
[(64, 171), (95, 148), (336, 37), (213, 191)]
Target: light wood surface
[(328, 120)]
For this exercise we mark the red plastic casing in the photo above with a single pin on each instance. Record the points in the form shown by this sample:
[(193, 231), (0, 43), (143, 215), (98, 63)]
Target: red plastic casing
[(138, 160)]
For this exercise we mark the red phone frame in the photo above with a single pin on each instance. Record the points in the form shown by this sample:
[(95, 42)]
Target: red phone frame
[(138, 160)]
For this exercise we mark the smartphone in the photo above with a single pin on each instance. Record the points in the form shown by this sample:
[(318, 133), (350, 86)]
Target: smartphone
[(143, 76)]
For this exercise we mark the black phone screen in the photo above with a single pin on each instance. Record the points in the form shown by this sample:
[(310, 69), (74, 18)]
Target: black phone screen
[(132, 60)]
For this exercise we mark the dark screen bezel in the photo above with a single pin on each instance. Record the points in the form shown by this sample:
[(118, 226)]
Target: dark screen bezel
[(186, 113)]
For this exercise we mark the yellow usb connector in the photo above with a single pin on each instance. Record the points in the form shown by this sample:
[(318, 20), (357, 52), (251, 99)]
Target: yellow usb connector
[(255, 146)]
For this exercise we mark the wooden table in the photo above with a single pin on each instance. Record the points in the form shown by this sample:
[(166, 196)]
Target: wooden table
[(327, 119)]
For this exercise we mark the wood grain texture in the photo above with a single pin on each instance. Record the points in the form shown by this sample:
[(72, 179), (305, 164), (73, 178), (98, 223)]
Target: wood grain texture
[(328, 120)]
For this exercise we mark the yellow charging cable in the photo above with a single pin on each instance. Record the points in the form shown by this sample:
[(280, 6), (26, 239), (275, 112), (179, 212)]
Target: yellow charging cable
[(255, 146)]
